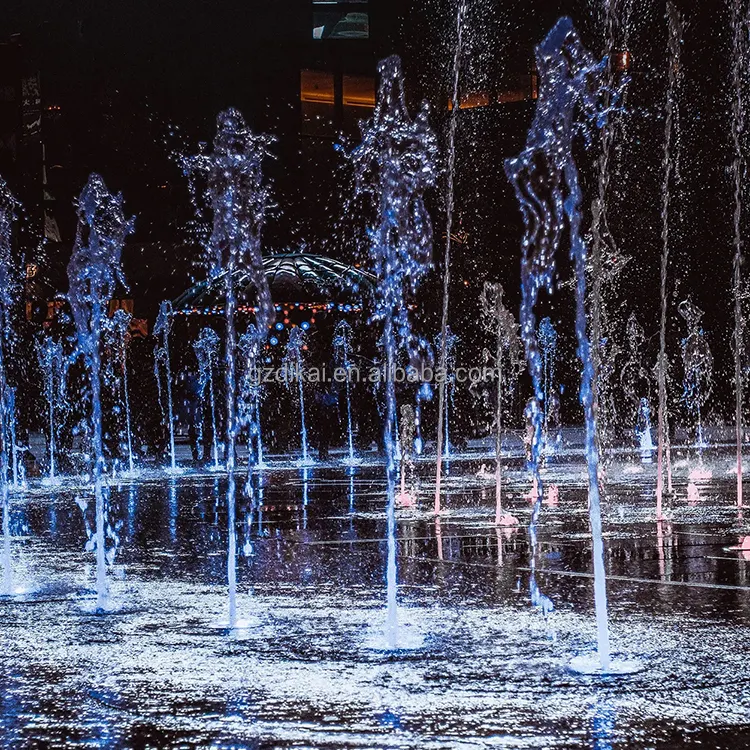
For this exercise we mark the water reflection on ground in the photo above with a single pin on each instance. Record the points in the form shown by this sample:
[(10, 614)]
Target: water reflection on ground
[(164, 670)]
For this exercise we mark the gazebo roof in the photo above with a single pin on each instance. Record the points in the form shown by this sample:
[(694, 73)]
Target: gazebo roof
[(294, 277)]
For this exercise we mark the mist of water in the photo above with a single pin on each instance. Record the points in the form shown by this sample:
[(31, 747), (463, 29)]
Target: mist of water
[(604, 273), (342, 342), (53, 364), (499, 322), (251, 396), (119, 325), (698, 364), (547, 336), (446, 343)]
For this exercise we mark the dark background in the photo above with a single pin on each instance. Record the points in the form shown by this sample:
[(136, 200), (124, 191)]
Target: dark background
[(125, 86)]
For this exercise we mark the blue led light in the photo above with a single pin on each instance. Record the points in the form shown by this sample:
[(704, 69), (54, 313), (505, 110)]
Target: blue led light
[(279, 326), (304, 325), (274, 341)]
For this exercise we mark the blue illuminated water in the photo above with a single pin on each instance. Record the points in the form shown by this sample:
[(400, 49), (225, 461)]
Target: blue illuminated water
[(570, 86), (162, 358), (394, 165), (94, 271), (206, 348)]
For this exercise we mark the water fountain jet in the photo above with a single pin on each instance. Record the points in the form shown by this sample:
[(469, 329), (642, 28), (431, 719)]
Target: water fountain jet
[(294, 360), (239, 199), (206, 349), (450, 198), (545, 178), (506, 360), (671, 135), (395, 163), (94, 271), (162, 357)]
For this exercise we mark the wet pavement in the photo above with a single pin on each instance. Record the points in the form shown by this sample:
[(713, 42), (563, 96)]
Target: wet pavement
[(304, 667)]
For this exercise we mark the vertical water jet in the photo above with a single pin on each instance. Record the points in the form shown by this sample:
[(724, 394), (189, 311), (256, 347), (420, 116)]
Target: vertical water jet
[(443, 359), (663, 455), (741, 27), (94, 272), (395, 164), (546, 181), (239, 198)]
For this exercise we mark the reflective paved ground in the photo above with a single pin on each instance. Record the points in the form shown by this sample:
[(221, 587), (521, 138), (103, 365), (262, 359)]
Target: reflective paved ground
[(305, 670)]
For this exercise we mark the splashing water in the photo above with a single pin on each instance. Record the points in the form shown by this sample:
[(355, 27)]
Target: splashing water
[(94, 271), (698, 365), (606, 261), (342, 342), (162, 329), (395, 163), (294, 361), (232, 550), (407, 496), (671, 134), (206, 348), (239, 199), (634, 377), (545, 178), (499, 322)]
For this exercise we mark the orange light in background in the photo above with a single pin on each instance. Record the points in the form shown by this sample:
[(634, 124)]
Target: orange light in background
[(359, 91), (316, 87), (472, 100), (623, 60), (524, 88)]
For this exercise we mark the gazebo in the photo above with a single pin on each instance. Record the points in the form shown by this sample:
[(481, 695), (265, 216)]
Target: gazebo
[(297, 279), (305, 288)]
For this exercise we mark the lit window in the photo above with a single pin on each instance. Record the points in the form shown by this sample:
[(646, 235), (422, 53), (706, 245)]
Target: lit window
[(359, 99), (337, 20), (317, 96), (472, 100), (359, 91), (525, 88)]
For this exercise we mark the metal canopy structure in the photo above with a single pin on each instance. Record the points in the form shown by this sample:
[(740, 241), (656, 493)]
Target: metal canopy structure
[(297, 278)]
